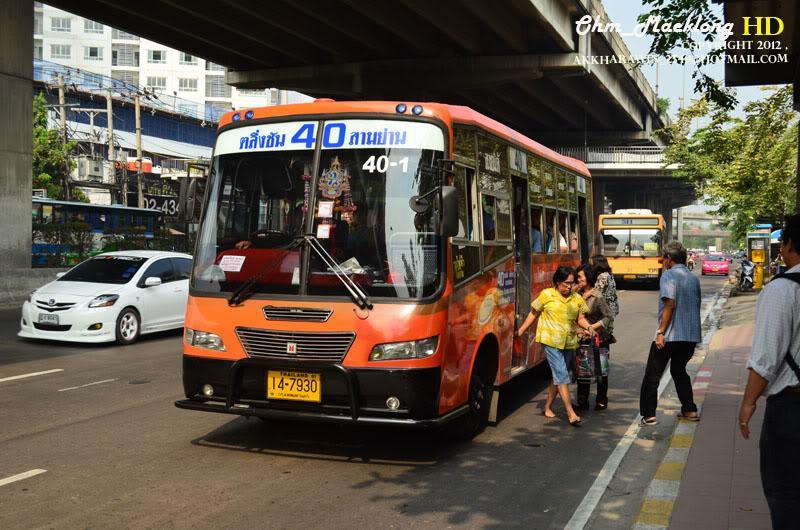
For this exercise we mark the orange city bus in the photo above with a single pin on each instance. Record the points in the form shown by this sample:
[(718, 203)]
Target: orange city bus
[(633, 242), (366, 262)]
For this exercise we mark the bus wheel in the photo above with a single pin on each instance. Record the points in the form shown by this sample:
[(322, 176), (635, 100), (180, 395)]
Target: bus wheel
[(475, 420), (128, 326)]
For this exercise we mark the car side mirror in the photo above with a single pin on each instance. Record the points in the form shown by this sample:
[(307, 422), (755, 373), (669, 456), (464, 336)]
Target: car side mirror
[(152, 281), (60, 274), (449, 224)]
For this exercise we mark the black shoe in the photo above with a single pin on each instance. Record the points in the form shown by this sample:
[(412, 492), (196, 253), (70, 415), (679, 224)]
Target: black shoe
[(600, 406), (582, 405)]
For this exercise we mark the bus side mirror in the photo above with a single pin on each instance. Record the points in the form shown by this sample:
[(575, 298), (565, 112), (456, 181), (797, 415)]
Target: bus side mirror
[(449, 225)]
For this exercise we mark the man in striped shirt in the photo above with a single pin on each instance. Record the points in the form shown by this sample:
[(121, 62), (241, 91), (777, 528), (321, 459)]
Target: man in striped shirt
[(677, 335)]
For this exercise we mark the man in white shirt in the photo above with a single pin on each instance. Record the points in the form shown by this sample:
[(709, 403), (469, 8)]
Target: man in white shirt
[(776, 342)]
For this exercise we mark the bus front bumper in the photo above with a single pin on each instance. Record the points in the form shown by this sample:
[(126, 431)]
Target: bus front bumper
[(349, 395)]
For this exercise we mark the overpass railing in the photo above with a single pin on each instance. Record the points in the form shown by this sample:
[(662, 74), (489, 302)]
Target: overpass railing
[(615, 155)]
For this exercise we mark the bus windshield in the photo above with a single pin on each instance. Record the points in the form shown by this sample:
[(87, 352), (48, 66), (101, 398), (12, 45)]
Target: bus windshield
[(261, 201), (632, 242)]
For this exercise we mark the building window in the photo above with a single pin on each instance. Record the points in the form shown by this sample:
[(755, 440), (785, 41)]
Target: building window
[(122, 35), (185, 58), (157, 82), (38, 23), (38, 50), (187, 84), (90, 26), (274, 96), (61, 24), (93, 53), (252, 91), (157, 56), (60, 51), (126, 76), (216, 87), (214, 67), (124, 55)]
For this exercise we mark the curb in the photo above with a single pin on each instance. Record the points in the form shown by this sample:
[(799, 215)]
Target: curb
[(659, 499)]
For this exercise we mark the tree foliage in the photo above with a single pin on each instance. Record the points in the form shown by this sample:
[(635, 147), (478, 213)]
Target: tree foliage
[(679, 46), (49, 154), (747, 167)]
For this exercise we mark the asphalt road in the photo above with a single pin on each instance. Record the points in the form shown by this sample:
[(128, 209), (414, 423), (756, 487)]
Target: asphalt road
[(117, 453)]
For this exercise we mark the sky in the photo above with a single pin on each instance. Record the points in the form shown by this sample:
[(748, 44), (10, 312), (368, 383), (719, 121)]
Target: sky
[(674, 81)]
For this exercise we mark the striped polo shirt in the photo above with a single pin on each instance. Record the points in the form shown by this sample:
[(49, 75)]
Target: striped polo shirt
[(682, 286)]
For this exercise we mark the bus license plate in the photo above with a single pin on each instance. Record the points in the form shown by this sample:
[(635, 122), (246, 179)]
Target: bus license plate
[(294, 386), (629, 277), (47, 318)]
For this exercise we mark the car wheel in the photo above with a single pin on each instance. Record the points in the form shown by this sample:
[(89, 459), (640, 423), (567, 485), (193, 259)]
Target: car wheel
[(481, 385), (128, 326)]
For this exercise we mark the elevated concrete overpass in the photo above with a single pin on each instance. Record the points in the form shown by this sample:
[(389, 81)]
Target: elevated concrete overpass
[(519, 61)]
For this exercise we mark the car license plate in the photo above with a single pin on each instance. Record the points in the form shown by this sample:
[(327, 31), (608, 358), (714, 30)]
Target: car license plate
[(47, 318), (294, 386), (629, 277)]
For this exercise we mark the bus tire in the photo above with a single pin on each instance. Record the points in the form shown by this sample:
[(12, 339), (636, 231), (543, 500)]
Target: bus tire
[(129, 326), (479, 398)]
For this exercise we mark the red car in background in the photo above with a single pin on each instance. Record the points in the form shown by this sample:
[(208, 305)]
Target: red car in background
[(715, 264)]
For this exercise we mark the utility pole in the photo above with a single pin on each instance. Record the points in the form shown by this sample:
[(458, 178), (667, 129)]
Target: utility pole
[(139, 151), (91, 112), (111, 155), (62, 119)]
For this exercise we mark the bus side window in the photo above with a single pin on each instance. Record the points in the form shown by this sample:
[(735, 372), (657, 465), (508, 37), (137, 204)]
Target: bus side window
[(563, 246), (537, 235), (465, 248), (549, 231), (574, 231)]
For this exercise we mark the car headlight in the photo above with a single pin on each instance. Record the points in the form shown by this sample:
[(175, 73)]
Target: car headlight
[(104, 300), (414, 349), (204, 339)]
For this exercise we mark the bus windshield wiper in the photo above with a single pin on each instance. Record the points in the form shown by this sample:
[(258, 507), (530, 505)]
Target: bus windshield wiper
[(243, 291), (359, 297)]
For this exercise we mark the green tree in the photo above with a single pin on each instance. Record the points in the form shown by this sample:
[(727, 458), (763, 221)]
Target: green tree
[(677, 46), (49, 153), (663, 105), (747, 167)]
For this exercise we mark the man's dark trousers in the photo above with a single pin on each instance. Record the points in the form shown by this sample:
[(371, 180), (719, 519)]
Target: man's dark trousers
[(780, 459), (677, 354)]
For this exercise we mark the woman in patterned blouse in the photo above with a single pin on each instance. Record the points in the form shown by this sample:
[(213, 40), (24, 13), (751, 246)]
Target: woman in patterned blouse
[(605, 282), (560, 310)]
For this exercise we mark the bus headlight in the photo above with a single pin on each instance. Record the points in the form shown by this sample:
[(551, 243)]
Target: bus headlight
[(414, 349), (204, 339), (104, 300)]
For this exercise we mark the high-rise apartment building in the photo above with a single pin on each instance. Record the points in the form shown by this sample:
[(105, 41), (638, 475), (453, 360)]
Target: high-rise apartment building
[(190, 81)]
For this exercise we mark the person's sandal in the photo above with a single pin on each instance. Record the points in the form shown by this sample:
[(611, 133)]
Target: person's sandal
[(576, 423), (649, 422), (683, 416)]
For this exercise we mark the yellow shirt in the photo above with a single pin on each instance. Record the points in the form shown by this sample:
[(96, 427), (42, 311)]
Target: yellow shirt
[(557, 316)]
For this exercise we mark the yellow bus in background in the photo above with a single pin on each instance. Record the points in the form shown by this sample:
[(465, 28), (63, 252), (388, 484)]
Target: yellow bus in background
[(632, 241)]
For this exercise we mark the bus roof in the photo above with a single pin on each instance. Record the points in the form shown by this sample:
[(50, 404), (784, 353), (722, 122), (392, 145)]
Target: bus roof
[(446, 113), (41, 200)]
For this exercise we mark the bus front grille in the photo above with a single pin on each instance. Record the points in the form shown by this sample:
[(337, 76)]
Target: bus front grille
[(296, 314), (293, 345)]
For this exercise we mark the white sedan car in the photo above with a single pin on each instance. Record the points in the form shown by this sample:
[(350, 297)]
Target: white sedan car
[(115, 296)]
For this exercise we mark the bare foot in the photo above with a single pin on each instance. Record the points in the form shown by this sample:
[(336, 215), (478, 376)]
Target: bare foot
[(574, 419), (549, 414)]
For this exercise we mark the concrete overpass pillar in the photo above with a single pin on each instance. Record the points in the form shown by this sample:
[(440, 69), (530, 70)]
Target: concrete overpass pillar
[(16, 141)]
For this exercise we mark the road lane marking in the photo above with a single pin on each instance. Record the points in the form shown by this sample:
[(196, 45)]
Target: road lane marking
[(592, 498), (88, 384), (22, 476), (34, 374)]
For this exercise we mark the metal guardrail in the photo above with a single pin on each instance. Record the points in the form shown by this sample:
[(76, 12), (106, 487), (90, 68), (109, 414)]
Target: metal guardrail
[(615, 155)]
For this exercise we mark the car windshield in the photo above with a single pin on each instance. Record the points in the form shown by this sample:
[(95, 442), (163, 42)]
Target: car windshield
[(105, 269), (715, 258), (632, 242), (260, 202)]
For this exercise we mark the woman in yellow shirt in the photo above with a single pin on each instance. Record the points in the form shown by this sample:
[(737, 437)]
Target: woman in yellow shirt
[(560, 309)]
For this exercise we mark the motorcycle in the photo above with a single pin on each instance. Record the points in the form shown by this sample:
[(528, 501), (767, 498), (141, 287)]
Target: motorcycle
[(746, 276), (690, 263)]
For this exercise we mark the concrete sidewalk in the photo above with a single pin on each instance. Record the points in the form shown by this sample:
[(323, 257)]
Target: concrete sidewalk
[(721, 485)]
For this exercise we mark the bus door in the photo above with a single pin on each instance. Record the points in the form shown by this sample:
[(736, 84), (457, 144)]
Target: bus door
[(522, 253)]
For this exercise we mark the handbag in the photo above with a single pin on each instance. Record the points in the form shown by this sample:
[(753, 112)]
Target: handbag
[(591, 360)]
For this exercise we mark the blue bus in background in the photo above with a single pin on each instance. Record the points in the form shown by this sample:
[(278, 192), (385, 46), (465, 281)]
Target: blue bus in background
[(101, 219)]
